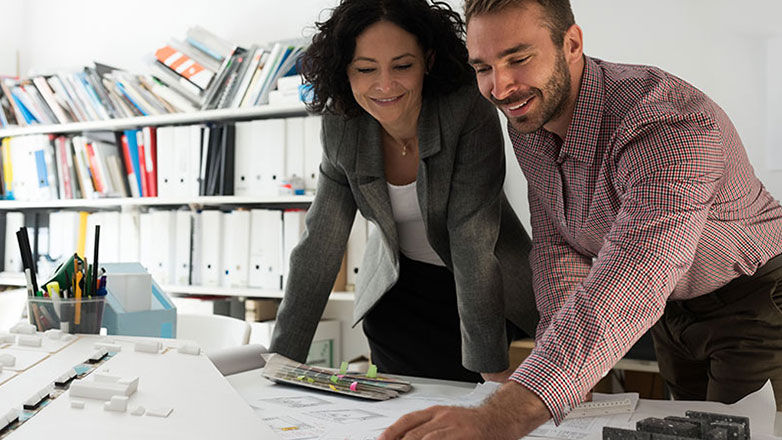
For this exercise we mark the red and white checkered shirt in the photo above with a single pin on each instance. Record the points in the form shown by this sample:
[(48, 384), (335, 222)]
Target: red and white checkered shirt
[(650, 197)]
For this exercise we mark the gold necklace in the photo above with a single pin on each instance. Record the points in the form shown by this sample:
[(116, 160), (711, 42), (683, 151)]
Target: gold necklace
[(405, 146)]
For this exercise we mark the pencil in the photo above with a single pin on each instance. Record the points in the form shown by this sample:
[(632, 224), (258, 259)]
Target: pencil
[(94, 284)]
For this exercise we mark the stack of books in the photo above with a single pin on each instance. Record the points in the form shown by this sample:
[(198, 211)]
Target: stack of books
[(96, 93), (283, 370), (200, 73), (214, 73)]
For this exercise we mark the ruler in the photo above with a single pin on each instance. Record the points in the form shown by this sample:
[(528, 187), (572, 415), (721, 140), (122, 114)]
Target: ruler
[(601, 408)]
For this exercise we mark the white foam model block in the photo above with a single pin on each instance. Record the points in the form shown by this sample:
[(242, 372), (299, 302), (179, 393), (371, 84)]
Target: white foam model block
[(29, 341), (38, 397), (77, 404), (6, 338), (70, 374), (45, 392), (189, 349), (7, 360), (109, 347), (65, 327), (117, 403), (11, 415), (162, 411), (148, 346), (103, 390), (105, 378), (138, 411), (3, 424), (8, 418), (32, 401), (68, 337), (53, 334), (23, 328), (131, 385), (98, 355)]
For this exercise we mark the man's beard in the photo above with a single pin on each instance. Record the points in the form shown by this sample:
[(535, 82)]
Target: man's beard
[(553, 100)]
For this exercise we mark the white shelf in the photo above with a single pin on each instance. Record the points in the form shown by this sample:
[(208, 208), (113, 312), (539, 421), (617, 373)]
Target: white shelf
[(7, 205), (248, 292), (17, 279), (259, 112)]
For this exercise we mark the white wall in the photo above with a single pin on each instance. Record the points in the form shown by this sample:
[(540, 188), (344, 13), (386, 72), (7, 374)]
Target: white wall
[(123, 33), (724, 47), (10, 35)]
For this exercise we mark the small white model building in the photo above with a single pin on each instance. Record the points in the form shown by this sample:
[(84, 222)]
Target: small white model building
[(98, 355), (148, 346), (189, 349), (77, 404), (162, 411), (104, 387), (29, 341), (38, 397), (53, 334), (65, 378), (117, 403), (7, 359), (116, 348), (23, 328), (8, 417)]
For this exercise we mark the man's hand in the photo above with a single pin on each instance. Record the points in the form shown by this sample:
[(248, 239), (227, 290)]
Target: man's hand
[(511, 413), (500, 377)]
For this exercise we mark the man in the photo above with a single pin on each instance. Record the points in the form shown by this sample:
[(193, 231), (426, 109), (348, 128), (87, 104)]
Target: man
[(644, 210)]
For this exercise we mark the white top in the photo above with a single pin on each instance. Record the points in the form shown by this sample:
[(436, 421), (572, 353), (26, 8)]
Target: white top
[(410, 224)]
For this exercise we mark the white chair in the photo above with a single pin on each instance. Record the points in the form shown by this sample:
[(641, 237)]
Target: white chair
[(12, 304), (212, 332)]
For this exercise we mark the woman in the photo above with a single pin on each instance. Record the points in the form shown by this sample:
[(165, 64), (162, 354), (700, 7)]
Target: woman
[(409, 142)]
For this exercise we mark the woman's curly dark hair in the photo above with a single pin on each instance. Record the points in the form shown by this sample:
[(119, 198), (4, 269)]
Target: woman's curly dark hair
[(436, 26)]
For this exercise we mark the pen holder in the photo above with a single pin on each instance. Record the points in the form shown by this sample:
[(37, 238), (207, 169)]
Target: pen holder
[(69, 315)]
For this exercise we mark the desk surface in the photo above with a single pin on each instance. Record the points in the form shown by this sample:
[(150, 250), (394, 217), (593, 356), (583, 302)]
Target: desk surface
[(252, 384), (204, 404)]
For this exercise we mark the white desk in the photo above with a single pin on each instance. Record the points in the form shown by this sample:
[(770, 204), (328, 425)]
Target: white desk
[(204, 404), (252, 384)]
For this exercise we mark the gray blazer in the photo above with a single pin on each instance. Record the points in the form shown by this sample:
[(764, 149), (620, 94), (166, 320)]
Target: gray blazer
[(466, 214)]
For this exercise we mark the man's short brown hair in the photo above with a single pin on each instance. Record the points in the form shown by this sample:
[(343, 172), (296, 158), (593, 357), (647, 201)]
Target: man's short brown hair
[(559, 15)]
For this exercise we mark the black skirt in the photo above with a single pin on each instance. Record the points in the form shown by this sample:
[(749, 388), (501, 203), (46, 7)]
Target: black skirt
[(414, 329)]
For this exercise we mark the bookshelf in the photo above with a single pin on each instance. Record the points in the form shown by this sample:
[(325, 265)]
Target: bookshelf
[(143, 203), (197, 202), (215, 112), (242, 114), (17, 280)]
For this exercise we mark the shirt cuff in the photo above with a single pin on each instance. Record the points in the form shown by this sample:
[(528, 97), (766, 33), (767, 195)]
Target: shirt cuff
[(550, 383)]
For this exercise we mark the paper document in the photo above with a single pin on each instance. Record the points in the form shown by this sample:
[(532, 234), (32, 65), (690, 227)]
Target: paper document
[(296, 414), (580, 428)]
